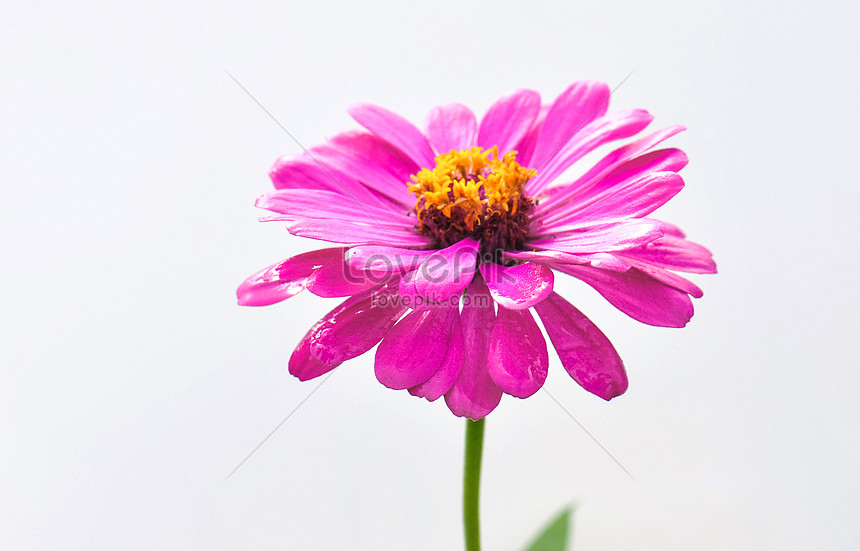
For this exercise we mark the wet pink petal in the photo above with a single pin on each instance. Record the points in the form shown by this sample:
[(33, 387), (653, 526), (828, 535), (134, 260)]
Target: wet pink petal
[(581, 103), (508, 120), (304, 365), (609, 261), (433, 388), (394, 129), (474, 394), (447, 272), (518, 287), (354, 327), (612, 237), (583, 349), (349, 330), (339, 279), (451, 126), (406, 288), (270, 285), (667, 277), (518, 360), (382, 260), (414, 350), (547, 256), (285, 279), (638, 295)]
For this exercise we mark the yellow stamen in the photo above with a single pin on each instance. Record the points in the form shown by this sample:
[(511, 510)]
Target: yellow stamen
[(459, 177)]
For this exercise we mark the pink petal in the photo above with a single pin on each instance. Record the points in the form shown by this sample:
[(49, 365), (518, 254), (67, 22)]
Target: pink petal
[(344, 320), (546, 257), (609, 261), (410, 297), (615, 126), (415, 348), (474, 394), (299, 204), (675, 253), (451, 126), (518, 360), (339, 279), (581, 103), (518, 287), (371, 160), (304, 365), (612, 237), (354, 233), (661, 160), (447, 272), (354, 327), (673, 230), (301, 172), (508, 120), (433, 388), (565, 202), (632, 199), (638, 295), (396, 130), (288, 278), (304, 172), (624, 154), (583, 349), (525, 148), (407, 292), (615, 160), (669, 278)]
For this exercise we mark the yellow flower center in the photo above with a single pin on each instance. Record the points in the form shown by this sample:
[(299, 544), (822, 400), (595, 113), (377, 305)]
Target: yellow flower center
[(473, 180), (473, 193)]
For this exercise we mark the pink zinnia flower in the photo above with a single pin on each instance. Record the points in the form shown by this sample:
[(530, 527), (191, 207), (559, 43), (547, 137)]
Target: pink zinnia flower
[(448, 237)]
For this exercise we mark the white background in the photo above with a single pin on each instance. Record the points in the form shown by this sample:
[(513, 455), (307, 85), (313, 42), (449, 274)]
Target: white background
[(132, 384)]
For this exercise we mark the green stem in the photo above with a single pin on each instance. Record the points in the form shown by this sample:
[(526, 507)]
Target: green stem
[(472, 483)]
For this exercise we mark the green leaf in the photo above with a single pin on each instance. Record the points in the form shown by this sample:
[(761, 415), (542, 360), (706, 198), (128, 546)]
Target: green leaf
[(555, 536)]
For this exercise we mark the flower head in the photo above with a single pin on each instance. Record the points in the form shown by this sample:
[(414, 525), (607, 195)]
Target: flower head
[(448, 238)]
